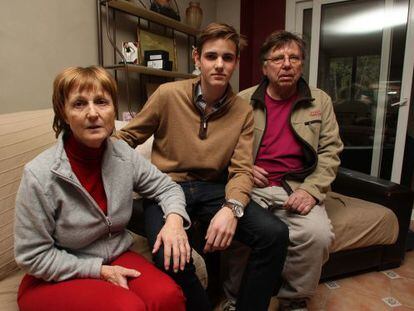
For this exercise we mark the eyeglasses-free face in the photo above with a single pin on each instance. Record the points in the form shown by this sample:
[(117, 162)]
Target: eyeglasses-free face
[(217, 62), (90, 116)]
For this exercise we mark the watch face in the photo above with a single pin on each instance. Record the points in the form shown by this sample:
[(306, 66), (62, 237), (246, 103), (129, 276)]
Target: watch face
[(238, 211)]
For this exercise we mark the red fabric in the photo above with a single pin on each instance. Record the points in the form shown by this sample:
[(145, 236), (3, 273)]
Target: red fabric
[(153, 290), (257, 20), (86, 163), (279, 151)]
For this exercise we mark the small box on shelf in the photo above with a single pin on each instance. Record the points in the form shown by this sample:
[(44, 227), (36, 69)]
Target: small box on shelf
[(160, 64), (158, 59)]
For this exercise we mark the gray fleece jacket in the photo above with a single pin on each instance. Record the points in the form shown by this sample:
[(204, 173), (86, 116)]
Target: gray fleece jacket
[(60, 231)]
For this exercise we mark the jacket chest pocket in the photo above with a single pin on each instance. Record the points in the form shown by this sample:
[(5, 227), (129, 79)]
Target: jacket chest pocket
[(313, 122), (309, 130)]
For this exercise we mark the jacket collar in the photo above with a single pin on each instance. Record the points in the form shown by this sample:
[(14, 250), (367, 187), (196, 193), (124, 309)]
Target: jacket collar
[(61, 164)]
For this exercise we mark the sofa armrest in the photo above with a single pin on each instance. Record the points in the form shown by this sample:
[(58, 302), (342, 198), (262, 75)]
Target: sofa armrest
[(391, 195), (373, 189)]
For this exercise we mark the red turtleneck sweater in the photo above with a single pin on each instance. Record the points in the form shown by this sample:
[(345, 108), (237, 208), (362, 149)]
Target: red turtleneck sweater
[(86, 163)]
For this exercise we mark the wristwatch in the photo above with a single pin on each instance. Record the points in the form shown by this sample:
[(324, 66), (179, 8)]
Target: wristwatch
[(235, 207)]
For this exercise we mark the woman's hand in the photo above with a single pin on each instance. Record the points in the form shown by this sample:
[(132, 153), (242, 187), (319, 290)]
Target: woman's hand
[(118, 275), (175, 241)]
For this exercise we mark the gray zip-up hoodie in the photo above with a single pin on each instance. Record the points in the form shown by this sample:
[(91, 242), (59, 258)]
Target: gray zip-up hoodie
[(60, 231)]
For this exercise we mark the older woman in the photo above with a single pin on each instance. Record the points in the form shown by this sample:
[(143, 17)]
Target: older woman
[(73, 205)]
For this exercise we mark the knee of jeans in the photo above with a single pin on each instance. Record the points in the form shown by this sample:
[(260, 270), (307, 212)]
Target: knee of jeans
[(276, 233), (158, 260)]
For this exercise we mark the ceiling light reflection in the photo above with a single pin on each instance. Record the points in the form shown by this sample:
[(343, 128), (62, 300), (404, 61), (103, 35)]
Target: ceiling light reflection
[(368, 21)]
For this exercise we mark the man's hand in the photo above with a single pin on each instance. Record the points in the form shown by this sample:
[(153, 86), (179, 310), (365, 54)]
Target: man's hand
[(300, 202), (260, 177), (118, 275), (175, 241), (221, 230)]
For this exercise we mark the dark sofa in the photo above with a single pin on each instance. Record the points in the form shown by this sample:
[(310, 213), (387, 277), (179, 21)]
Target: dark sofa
[(378, 257)]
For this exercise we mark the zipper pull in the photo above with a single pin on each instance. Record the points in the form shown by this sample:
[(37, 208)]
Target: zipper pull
[(109, 223), (203, 128)]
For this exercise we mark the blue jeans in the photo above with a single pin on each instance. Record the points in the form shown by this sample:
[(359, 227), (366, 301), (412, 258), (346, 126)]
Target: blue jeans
[(264, 233)]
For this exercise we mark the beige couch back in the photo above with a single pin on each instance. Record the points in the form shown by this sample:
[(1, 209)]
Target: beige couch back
[(23, 136)]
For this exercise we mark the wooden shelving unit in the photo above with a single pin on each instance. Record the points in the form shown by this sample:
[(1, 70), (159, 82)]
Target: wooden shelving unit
[(151, 71), (115, 7), (132, 9)]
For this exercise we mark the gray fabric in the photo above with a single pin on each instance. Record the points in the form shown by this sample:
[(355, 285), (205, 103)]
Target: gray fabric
[(60, 231)]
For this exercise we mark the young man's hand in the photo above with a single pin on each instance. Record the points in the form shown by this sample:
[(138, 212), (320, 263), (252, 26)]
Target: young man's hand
[(260, 177), (221, 230), (118, 275), (300, 202), (175, 241)]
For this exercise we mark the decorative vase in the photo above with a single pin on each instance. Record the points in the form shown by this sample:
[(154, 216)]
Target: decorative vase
[(194, 15)]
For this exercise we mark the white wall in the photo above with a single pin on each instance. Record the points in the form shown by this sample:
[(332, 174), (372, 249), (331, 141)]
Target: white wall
[(228, 11), (37, 40)]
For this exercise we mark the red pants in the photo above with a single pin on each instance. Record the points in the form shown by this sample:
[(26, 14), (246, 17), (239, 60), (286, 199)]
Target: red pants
[(152, 290)]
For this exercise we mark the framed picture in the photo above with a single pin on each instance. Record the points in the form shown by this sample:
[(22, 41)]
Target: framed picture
[(150, 41), (130, 52)]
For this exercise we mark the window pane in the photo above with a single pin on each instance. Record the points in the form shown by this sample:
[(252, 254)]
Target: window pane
[(352, 41)]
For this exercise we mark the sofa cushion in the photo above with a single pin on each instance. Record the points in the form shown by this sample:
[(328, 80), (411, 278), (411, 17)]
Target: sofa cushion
[(358, 223), (23, 136), (8, 291), (145, 148)]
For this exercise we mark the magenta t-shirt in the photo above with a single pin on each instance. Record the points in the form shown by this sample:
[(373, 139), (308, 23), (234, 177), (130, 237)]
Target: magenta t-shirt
[(280, 151)]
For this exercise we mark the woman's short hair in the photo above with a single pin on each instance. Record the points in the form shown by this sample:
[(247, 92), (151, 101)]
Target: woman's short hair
[(280, 38), (82, 78), (220, 31)]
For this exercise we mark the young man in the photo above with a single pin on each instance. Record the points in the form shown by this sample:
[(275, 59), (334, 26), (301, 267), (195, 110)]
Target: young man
[(203, 137), (296, 153)]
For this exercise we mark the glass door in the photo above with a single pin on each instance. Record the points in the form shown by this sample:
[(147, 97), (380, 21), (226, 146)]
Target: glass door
[(359, 50)]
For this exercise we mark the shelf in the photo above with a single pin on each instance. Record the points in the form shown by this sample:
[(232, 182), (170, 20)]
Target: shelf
[(151, 16), (152, 71)]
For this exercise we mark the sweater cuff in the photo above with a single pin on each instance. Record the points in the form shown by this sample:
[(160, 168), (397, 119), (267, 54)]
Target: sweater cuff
[(179, 211), (314, 191), (91, 268), (242, 199)]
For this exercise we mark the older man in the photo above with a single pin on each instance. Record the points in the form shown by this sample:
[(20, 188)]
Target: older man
[(296, 151)]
